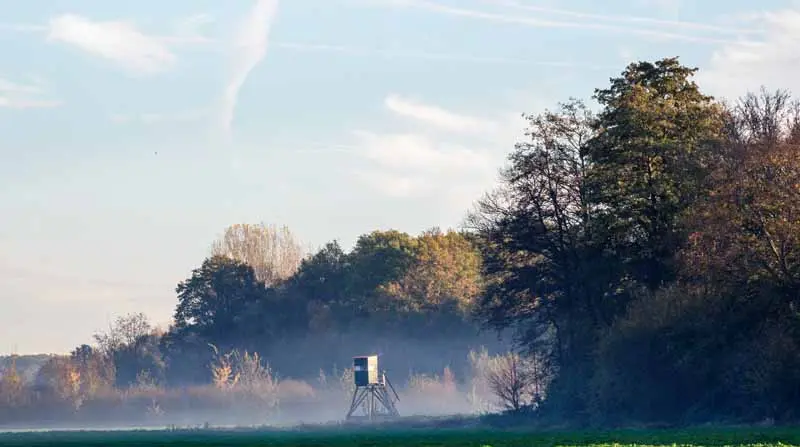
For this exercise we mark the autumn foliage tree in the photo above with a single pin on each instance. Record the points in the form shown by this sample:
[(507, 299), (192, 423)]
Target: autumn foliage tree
[(388, 276), (542, 269), (649, 160), (746, 244), (60, 377), (11, 386), (747, 228), (589, 215), (445, 273), (98, 371), (722, 340), (273, 252)]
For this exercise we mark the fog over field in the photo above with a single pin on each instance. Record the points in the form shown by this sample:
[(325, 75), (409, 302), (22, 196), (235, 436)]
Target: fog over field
[(434, 378)]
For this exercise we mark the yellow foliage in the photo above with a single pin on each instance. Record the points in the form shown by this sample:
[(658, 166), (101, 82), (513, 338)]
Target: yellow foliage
[(446, 272), (11, 386)]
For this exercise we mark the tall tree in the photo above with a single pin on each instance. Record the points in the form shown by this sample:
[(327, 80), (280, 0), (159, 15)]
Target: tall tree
[(723, 340), (543, 279), (273, 252), (217, 299), (746, 230), (649, 162)]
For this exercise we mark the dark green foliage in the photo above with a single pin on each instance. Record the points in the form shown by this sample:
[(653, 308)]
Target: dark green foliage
[(649, 160), (546, 277), (143, 356), (381, 256), (187, 356), (534, 227), (214, 301)]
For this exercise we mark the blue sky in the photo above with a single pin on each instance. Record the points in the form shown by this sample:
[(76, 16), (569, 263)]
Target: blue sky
[(133, 133)]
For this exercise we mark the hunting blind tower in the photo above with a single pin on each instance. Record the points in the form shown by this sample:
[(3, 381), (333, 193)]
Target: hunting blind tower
[(372, 391)]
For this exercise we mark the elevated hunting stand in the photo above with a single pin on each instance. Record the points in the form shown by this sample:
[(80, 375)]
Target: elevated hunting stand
[(372, 391)]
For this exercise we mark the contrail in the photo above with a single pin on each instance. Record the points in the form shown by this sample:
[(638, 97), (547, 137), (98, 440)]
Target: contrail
[(250, 47), (535, 22), (623, 18)]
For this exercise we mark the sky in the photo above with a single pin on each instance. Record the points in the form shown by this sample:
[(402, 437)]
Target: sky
[(133, 133)]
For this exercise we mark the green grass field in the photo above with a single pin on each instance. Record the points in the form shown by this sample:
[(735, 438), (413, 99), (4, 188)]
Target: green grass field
[(409, 438)]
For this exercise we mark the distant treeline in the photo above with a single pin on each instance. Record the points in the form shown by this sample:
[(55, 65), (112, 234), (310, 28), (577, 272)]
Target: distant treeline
[(645, 255), (410, 298)]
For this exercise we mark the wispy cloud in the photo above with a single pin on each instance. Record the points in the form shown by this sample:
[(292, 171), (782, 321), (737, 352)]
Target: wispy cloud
[(7, 86), (249, 48), (14, 95), (434, 158), (120, 41), (190, 31), (394, 185), (417, 152), (433, 56), (662, 4), (403, 165), (737, 68), (515, 18), (437, 116), (117, 41)]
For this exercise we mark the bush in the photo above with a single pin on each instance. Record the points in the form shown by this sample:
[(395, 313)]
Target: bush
[(683, 355)]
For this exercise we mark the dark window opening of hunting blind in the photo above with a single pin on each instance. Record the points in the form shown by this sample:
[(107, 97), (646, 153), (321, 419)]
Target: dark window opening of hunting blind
[(365, 370)]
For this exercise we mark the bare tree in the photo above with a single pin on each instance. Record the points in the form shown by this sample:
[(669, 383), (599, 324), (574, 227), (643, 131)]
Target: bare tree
[(517, 381), (273, 252), (125, 331), (766, 118)]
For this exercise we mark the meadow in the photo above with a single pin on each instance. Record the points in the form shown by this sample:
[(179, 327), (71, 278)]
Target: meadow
[(341, 437)]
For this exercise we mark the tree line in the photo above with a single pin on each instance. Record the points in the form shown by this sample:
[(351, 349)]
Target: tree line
[(650, 251), (644, 255)]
